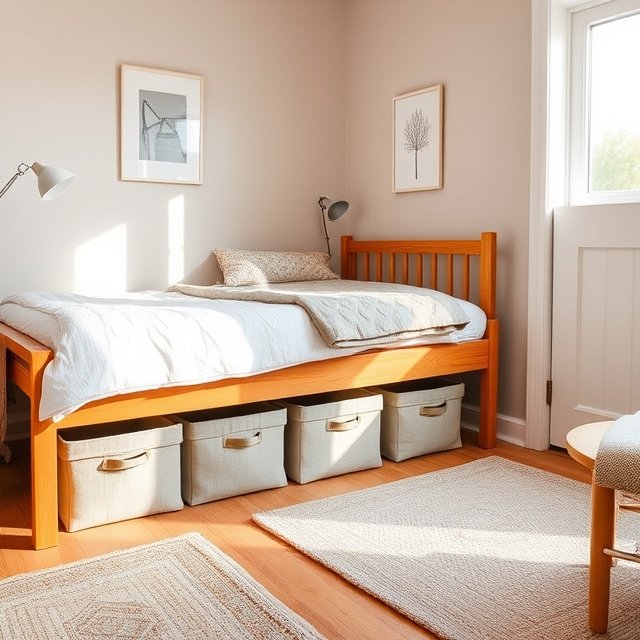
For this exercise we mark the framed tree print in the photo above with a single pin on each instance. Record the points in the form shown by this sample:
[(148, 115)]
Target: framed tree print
[(160, 125), (417, 140)]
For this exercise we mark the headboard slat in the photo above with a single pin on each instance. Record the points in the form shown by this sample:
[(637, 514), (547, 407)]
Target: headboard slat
[(465, 277), (434, 271), (367, 266), (449, 288)]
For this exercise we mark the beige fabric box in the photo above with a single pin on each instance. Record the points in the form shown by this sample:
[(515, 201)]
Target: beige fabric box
[(333, 433), (420, 416), (118, 471), (230, 451)]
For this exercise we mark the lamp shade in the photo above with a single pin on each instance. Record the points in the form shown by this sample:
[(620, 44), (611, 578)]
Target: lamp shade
[(52, 181), (335, 208)]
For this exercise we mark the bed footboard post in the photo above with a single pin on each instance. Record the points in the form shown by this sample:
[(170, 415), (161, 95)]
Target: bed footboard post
[(345, 259), (489, 390), (44, 467), (488, 242), (44, 486)]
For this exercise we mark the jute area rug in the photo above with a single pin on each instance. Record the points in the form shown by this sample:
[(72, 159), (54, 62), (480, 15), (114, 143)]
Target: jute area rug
[(490, 550), (180, 588)]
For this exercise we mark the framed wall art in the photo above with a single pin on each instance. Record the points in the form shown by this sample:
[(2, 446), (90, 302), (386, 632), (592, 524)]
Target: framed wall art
[(417, 140), (160, 125)]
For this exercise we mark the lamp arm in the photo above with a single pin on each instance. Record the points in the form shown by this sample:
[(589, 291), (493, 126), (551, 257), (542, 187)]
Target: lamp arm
[(20, 172), (324, 224)]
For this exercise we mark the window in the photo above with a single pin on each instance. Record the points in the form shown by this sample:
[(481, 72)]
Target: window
[(605, 103)]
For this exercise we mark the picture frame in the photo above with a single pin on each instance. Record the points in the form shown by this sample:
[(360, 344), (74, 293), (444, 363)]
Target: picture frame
[(417, 140), (160, 125)]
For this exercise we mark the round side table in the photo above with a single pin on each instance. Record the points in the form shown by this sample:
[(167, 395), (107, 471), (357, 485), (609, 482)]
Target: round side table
[(583, 442)]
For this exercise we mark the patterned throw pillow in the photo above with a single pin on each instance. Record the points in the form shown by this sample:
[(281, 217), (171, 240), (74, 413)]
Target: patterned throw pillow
[(241, 267)]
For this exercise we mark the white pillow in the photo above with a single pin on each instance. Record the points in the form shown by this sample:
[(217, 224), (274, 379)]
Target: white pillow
[(241, 267)]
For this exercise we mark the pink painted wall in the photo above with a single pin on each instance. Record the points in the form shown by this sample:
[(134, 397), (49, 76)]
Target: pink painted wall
[(297, 103), (480, 52), (272, 143)]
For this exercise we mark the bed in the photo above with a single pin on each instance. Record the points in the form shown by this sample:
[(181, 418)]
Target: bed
[(463, 268)]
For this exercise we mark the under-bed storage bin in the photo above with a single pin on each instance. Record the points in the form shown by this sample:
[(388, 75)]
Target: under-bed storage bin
[(230, 451), (118, 471), (332, 433), (420, 416)]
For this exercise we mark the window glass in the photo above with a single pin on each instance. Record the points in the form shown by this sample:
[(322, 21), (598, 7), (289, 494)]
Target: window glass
[(614, 105)]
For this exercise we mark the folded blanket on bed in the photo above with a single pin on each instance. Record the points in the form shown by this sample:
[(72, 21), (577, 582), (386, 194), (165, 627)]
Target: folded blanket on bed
[(617, 464), (350, 313)]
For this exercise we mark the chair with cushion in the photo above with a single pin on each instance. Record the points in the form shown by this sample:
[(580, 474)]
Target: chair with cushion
[(612, 451)]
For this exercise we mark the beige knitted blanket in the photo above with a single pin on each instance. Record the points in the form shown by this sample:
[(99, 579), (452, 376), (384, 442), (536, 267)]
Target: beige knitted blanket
[(617, 464), (350, 313)]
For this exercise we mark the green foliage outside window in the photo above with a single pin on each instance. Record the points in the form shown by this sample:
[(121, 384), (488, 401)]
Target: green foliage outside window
[(616, 163)]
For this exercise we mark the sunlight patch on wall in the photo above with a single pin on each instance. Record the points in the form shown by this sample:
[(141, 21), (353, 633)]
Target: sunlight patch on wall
[(175, 240), (100, 264)]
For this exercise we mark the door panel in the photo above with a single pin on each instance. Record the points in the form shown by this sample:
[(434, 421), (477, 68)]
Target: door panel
[(596, 315)]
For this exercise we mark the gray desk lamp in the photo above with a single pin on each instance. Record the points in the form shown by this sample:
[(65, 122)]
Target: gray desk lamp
[(52, 181), (334, 209)]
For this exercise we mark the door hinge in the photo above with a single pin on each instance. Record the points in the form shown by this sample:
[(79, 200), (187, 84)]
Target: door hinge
[(549, 391)]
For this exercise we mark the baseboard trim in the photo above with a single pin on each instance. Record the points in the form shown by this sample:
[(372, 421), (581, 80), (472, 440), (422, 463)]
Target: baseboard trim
[(509, 429)]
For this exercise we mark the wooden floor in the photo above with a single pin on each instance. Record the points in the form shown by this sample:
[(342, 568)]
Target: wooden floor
[(336, 608)]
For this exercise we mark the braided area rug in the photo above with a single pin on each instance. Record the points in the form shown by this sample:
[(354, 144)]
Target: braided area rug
[(181, 587), (489, 550)]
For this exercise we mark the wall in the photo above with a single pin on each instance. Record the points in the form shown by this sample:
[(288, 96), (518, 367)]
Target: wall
[(272, 145), (298, 97), (480, 52)]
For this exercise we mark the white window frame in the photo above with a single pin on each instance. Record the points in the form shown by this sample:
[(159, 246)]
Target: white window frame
[(550, 61), (550, 53), (582, 19)]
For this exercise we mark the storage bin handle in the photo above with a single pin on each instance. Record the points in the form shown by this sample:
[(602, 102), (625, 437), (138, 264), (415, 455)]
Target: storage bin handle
[(432, 412), (346, 425), (121, 463), (243, 443)]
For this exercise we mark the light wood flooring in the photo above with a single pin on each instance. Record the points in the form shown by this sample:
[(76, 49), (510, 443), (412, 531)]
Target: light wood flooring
[(335, 607)]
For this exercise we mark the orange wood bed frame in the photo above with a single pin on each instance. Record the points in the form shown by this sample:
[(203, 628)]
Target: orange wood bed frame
[(450, 269)]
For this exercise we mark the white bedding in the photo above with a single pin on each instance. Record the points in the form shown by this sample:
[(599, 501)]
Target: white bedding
[(152, 339)]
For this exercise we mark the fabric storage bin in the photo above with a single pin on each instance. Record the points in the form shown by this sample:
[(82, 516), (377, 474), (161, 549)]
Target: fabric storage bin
[(118, 471), (332, 433), (420, 416), (230, 451)]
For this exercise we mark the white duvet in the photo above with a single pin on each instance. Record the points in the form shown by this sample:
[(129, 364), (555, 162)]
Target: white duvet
[(107, 346)]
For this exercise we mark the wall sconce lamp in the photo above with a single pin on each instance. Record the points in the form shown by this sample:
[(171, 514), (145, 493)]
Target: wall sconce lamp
[(52, 181), (333, 209)]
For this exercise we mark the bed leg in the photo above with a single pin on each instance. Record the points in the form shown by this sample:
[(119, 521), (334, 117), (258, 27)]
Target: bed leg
[(44, 485), (489, 391)]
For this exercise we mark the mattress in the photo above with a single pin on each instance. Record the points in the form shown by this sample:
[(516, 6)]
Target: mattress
[(168, 339)]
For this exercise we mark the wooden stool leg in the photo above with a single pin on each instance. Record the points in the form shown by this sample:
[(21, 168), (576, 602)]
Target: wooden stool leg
[(603, 522)]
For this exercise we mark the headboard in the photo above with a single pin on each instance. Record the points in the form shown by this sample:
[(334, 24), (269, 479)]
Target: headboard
[(463, 268)]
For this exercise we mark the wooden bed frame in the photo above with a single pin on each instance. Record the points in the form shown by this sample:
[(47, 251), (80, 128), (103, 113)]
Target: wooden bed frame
[(449, 267)]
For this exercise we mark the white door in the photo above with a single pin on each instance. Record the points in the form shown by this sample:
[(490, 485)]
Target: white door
[(595, 357), (596, 315)]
